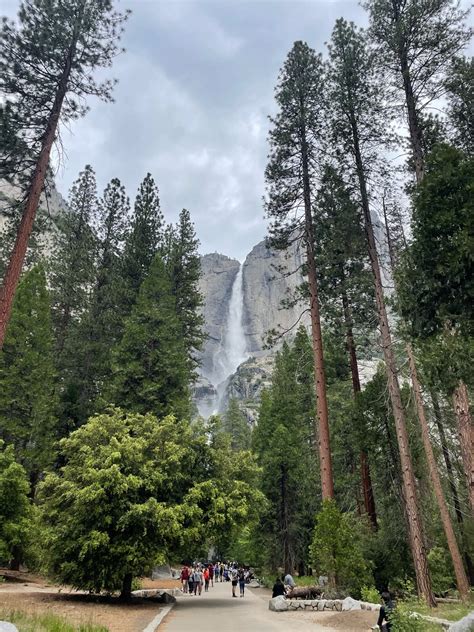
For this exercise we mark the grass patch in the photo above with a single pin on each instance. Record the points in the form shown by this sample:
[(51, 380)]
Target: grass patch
[(449, 611), (46, 623), (305, 580)]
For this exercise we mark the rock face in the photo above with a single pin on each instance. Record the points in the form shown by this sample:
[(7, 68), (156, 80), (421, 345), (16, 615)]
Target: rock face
[(218, 274), (267, 280)]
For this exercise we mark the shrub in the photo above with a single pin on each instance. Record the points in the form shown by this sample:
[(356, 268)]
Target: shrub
[(441, 570), (370, 594)]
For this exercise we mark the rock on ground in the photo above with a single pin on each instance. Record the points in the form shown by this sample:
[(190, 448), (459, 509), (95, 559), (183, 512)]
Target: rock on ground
[(466, 624), (7, 627), (278, 604), (351, 604)]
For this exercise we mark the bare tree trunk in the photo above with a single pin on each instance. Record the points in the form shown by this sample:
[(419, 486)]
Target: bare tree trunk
[(452, 484), (466, 437), (367, 490), (13, 272), (325, 459), (461, 578), (415, 527)]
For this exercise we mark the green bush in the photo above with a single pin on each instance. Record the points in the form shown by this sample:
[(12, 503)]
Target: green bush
[(370, 594), (441, 569), (403, 620)]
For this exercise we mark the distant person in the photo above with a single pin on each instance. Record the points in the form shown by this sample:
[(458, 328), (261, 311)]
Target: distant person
[(184, 578), (234, 577), (221, 572), (211, 574), (242, 581), (197, 582), (289, 582), (278, 588), (206, 579), (191, 581), (384, 613)]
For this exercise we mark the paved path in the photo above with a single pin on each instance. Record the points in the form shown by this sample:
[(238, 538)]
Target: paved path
[(217, 610)]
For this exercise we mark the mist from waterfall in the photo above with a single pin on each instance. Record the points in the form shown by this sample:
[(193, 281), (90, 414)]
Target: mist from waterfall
[(233, 350)]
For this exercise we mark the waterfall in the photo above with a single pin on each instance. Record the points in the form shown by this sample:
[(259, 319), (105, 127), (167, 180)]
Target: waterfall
[(232, 352)]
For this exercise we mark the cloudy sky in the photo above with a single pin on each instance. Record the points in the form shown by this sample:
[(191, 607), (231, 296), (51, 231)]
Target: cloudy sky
[(195, 89)]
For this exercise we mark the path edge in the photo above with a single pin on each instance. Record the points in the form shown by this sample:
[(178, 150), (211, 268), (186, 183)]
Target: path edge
[(156, 621)]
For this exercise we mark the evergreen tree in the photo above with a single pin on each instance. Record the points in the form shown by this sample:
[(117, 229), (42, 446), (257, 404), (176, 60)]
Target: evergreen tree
[(184, 268), (283, 441), (235, 424), (290, 175), (101, 326), (416, 42), (73, 260), (28, 402), (354, 93), (48, 59), (150, 368), (143, 239), (460, 95)]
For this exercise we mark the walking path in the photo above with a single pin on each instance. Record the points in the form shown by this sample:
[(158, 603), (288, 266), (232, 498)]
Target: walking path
[(218, 610)]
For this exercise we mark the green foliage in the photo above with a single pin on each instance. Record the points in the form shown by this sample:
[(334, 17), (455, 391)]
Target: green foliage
[(436, 281), (335, 550), (461, 103), (133, 489), (14, 504), (28, 401), (150, 371), (283, 442), (370, 594), (403, 620), (235, 423), (441, 570)]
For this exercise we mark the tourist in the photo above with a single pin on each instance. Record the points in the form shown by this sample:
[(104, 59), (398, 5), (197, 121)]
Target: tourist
[(234, 576), (184, 578), (289, 582), (197, 581), (211, 574), (384, 613), (221, 572), (191, 581), (242, 581), (278, 588), (206, 579)]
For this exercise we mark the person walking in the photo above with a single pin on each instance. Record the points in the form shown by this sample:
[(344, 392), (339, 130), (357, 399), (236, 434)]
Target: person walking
[(197, 582), (221, 572), (206, 579), (242, 582), (184, 578), (191, 581), (234, 577), (211, 574)]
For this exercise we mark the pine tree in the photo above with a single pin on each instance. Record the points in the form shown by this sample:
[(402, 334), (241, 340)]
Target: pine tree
[(184, 267), (283, 441), (150, 368), (28, 401), (47, 66), (290, 177), (73, 261), (235, 424), (417, 41), (354, 93), (345, 283), (460, 95), (143, 240), (101, 326)]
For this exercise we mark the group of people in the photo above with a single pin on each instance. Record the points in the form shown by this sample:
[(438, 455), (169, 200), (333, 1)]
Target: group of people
[(283, 586), (194, 577)]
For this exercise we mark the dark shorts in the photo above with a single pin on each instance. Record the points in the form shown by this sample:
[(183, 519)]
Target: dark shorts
[(234, 582)]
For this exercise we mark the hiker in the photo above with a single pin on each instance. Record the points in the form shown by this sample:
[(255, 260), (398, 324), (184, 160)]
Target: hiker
[(206, 579), (221, 572), (384, 613), (191, 581), (211, 574), (278, 588), (197, 582), (242, 581), (234, 576), (184, 578), (289, 582)]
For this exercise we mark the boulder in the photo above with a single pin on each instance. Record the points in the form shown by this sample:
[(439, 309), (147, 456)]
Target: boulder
[(7, 627), (254, 584), (466, 624), (278, 604), (166, 598), (350, 604)]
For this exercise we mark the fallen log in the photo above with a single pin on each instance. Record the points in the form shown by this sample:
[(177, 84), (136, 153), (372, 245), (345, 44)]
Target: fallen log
[(304, 592)]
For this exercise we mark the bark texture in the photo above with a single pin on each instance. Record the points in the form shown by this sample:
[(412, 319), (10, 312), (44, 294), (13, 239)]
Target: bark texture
[(466, 437)]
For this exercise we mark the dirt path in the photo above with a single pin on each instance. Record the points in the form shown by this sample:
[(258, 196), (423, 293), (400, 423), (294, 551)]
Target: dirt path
[(218, 610)]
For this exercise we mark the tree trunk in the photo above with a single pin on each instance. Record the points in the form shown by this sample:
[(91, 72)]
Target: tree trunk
[(325, 459), (367, 490), (13, 272), (461, 578), (408, 478), (452, 484), (285, 525), (466, 437), (126, 592)]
